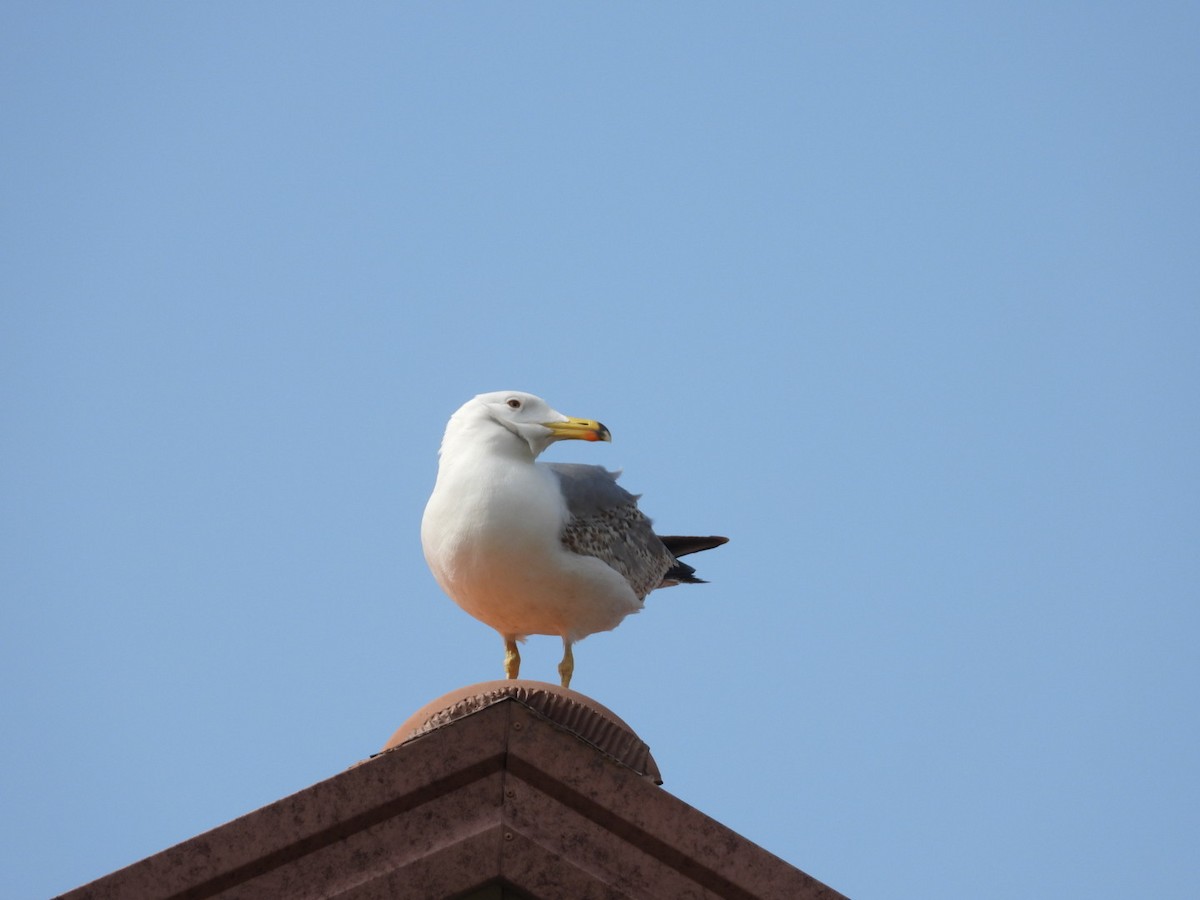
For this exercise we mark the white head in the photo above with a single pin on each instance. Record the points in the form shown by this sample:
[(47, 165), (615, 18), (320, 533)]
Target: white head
[(527, 417)]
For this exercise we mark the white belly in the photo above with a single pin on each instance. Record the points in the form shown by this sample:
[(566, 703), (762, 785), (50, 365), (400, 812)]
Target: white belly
[(494, 549)]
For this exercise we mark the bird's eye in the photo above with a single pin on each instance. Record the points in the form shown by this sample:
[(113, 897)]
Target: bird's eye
[(514, 403)]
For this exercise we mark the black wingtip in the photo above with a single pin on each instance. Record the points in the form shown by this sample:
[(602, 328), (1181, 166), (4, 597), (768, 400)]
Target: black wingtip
[(682, 545)]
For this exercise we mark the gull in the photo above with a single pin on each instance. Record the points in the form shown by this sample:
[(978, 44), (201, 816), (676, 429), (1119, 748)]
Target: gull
[(540, 548)]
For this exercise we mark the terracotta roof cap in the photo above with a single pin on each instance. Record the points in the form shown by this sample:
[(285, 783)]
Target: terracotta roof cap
[(571, 711)]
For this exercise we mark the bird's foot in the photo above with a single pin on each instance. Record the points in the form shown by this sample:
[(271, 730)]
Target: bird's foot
[(512, 659)]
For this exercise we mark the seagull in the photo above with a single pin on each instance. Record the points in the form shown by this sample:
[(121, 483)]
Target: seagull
[(540, 548)]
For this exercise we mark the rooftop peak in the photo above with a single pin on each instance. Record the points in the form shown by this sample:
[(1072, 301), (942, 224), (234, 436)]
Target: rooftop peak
[(569, 710)]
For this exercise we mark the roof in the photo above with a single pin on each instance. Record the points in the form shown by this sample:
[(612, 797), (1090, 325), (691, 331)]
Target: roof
[(512, 789)]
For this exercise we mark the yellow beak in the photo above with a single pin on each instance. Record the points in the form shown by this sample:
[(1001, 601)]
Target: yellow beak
[(578, 430)]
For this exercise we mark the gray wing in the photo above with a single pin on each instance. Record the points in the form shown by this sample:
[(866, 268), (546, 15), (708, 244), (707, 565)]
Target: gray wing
[(604, 522)]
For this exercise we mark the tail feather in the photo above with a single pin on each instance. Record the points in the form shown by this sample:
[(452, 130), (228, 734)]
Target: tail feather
[(681, 573)]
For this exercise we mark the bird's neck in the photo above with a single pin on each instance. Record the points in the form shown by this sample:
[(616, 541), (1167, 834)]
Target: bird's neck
[(469, 445)]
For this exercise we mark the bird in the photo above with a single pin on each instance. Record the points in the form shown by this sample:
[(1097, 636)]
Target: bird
[(530, 547)]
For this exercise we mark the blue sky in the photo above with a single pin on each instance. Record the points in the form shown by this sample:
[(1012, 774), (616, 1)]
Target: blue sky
[(905, 300)]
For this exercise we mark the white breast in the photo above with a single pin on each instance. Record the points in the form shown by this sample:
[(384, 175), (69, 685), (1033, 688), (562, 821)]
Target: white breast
[(492, 538)]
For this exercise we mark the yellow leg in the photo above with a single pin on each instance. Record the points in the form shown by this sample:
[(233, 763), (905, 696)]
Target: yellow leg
[(566, 668), (512, 659)]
